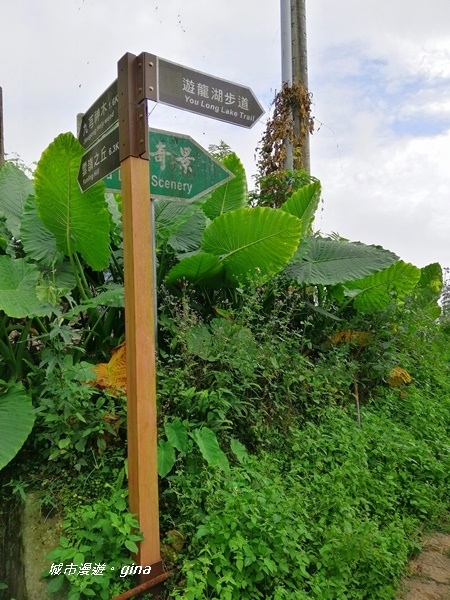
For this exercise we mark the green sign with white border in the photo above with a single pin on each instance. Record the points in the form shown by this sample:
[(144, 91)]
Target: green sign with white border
[(180, 169)]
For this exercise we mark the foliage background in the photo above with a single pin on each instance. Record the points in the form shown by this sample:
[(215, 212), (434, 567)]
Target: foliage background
[(303, 395)]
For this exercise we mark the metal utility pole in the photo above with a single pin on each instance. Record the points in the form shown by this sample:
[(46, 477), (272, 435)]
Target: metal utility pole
[(294, 66), (2, 147), (300, 68), (286, 64)]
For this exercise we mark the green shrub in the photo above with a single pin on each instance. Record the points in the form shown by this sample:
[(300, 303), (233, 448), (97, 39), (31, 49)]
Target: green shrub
[(73, 418), (99, 537), (333, 518), (246, 541)]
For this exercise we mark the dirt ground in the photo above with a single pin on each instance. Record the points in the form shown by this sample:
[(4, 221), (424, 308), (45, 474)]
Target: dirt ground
[(429, 573)]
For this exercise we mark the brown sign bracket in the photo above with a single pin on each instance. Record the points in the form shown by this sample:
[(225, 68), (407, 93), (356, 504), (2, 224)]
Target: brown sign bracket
[(132, 110), (147, 82)]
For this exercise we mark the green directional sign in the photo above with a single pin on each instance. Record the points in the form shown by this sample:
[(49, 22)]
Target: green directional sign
[(180, 169)]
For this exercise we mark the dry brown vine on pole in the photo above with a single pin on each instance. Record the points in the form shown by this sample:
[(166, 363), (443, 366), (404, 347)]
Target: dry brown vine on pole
[(292, 104)]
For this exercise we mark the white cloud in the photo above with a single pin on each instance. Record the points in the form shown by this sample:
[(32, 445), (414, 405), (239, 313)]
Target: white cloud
[(380, 77), (400, 200)]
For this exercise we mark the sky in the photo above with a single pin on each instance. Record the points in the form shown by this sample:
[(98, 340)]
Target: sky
[(379, 74)]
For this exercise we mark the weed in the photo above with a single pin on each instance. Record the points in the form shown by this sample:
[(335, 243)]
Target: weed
[(97, 543)]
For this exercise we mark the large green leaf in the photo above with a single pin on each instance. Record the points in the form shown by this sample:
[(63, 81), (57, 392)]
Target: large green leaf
[(189, 236), (166, 458), (112, 202), (226, 340), (16, 421), (4, 233), (239, 450), (54, 283), (112, 295), (207, 442), (329, 262), (200, 269), (428, 290), (18, 281), (252, 241), (15, 188), (200, 342), (79, 221), (431, 278), (303, 204), (170, 216), (177, 434), (232, 194), (38, 242), (375, 292)]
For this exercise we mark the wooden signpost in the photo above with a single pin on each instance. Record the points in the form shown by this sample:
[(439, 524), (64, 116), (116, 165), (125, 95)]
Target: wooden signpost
[(143, 78), (139, 307)]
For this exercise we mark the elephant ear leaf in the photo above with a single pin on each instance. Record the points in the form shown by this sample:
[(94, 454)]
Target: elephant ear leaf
[(206, 440), (14, 190), (166, 458), (252, 241), (329, 262), (79, 221), (241, 245), (38, 242), (428, 289), (16, 421), (170, 216), (431, 278), (189, 235), (232, 194), (303, 204), (374, 293), (18, 280), (200, 269)]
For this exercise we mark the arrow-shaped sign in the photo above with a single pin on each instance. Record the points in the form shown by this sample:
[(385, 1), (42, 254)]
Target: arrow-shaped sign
[(100, 117), (206, 95), (180, 87), (100, 160), (180, 169)]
